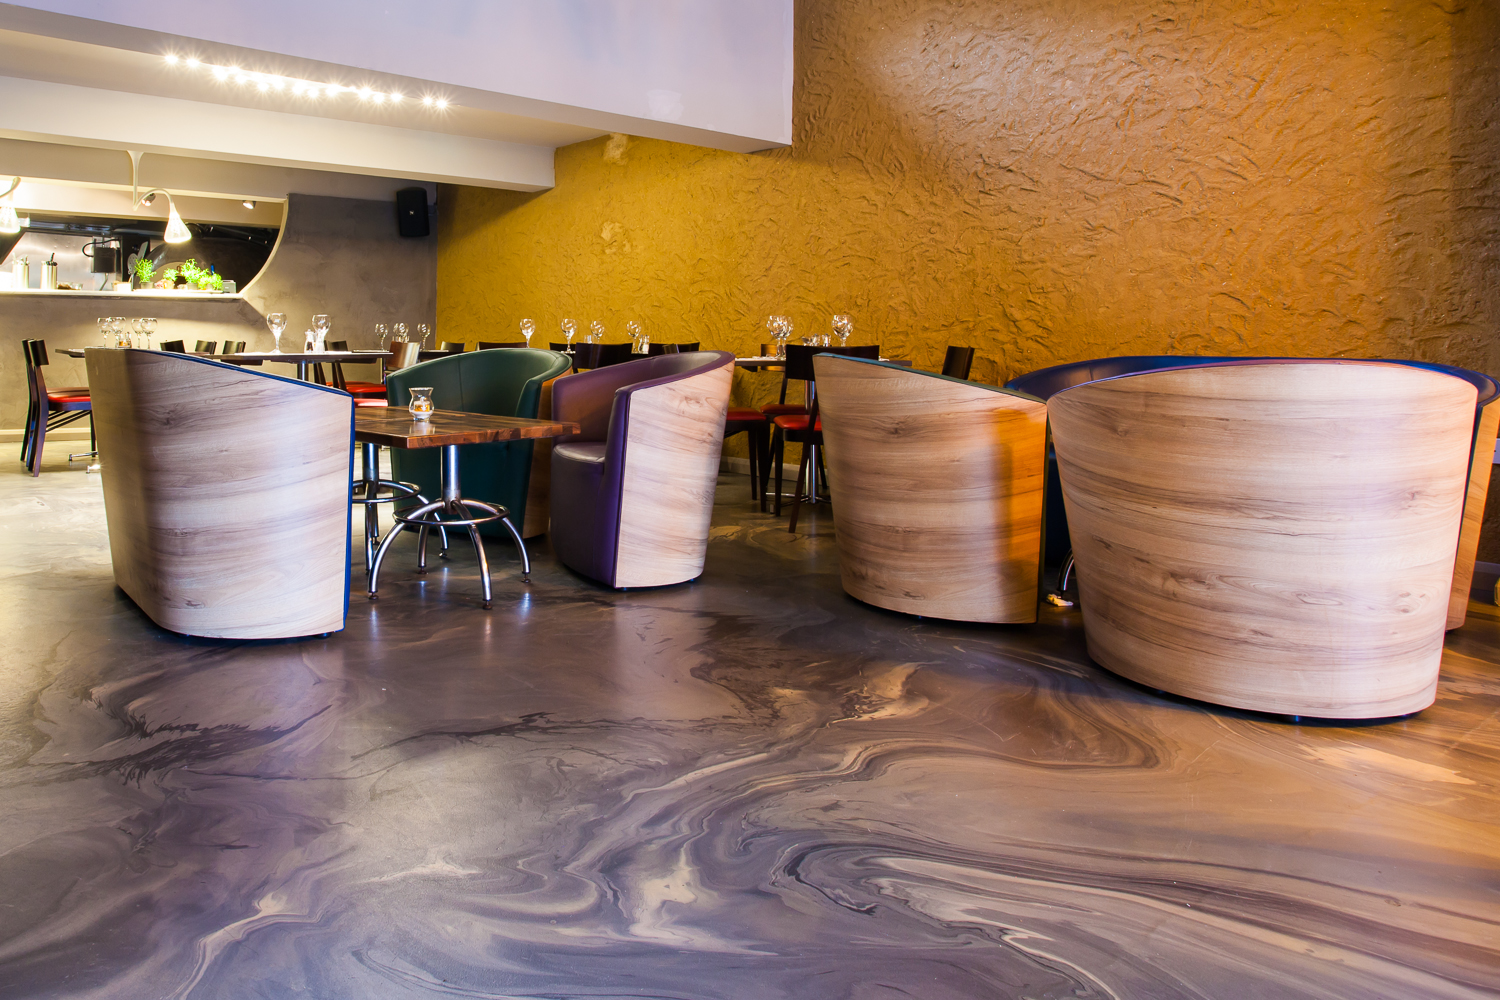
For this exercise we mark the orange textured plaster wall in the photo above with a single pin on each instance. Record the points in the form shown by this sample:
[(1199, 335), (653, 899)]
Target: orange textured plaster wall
[(1047, 181)]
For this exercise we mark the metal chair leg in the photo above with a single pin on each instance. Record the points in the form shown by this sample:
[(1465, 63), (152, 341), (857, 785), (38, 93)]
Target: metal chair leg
[(1065, 574), (778, 455), (520, 547)]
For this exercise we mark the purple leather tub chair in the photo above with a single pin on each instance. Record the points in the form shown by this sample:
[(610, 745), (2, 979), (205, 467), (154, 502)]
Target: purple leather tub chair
[(633, 492)]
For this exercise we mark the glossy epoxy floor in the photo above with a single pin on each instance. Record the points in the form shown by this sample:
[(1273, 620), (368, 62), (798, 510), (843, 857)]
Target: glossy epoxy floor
[(750, 787)]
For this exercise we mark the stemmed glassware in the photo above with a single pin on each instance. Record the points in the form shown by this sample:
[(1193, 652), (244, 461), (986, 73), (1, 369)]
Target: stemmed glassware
[(104, 340), (277, 324), (322, 323), (527, 329), (423, 332), (596, 332), (843, 325), (398, 333), (148, 327), (780, 328), (633, 330), (382, 334), (569, 328)]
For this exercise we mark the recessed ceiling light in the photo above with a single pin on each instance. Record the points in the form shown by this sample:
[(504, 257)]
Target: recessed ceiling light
[(171, 59), (442, 104), (378, 97), (192, 62), (262, 86), (395, 97), (248, 204), (364, 93), (220, 72), (427, 101)]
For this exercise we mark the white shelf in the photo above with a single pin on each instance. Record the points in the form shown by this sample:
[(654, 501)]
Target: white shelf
[(141, 295)]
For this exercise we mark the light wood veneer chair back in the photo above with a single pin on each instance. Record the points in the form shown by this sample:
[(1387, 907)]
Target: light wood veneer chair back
[(937, 490), (226, 492), (1272, 536)]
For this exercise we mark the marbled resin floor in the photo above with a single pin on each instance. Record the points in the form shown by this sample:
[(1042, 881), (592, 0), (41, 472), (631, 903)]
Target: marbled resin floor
[(748, 787)]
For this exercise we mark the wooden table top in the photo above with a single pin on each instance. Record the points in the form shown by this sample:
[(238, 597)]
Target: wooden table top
[(258, 357), (394, 427)]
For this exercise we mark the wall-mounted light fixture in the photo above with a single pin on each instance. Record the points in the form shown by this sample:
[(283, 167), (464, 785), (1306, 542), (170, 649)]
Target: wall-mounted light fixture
[(248, 203), (176, 231), (9, 221)]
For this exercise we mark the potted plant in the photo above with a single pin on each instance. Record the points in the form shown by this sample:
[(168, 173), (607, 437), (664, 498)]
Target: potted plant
[(145, 272)]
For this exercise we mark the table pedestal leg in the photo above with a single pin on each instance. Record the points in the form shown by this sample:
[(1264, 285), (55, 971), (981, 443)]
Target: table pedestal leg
[(429, 515)]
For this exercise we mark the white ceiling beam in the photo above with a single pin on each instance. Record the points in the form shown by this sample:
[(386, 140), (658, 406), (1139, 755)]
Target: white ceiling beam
[(54, 112)]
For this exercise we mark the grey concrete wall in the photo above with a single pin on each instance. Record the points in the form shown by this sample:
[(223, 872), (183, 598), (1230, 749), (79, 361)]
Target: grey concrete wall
[(336, 255)]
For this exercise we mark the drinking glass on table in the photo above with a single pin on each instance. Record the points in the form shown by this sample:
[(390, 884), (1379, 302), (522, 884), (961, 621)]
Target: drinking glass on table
[(382, 333), (596, 332), (569, 328), (527, 329), (634, 330), (843, 325), (322, 323), (149, 323), (423, 332), (277, 324), (398, 332)]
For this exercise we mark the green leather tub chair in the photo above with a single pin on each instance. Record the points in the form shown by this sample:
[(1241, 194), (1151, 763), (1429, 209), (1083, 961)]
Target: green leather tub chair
[(502, 383)]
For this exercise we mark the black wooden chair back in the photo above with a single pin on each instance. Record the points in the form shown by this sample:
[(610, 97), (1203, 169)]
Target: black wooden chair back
[(671, 348), (175, 346), (206, 346), (799, 360), (958, 361), (489, 345)]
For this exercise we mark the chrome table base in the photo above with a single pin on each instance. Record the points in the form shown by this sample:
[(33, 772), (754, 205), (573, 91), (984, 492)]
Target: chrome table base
[(432, 515)]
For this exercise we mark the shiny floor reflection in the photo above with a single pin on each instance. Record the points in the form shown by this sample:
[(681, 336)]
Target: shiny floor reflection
[(750, 786)]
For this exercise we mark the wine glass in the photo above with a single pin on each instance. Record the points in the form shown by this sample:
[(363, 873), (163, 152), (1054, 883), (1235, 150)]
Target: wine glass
[(423, 332), (634, 330), (398, 332), (843, 325), (382, 332), (569, 328), (103, 322), (596, 332), (277, 323), (149, 324), (527, 329), (322, 323)]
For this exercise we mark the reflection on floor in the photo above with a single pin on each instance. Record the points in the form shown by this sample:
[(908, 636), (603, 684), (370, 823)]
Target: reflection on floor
[(750, 786)]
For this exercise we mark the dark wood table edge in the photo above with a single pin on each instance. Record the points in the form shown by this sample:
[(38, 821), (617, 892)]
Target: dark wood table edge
[(518, 429)]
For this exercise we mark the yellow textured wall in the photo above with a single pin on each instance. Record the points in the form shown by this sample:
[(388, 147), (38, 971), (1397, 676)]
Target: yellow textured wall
[(1047, 181)]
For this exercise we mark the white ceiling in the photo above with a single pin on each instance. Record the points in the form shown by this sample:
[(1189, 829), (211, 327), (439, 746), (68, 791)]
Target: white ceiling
[(521, 78)]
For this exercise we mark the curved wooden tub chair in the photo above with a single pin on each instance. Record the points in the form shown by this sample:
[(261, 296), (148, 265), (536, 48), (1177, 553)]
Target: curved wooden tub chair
[(937, 490), (1270, 535), (1046, 382), (504, 383), (633, 492), (226, 492)]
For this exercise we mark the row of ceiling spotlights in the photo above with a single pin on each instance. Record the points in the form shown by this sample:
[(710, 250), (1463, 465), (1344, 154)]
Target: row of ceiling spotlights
[(267, 82)]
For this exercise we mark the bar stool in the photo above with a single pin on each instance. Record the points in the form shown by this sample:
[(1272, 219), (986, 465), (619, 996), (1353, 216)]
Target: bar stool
[(49, 409)]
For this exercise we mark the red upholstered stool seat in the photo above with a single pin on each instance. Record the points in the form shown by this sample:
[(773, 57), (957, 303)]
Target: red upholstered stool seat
[(68, 398), (795, 422), (370, 402), (777, 409), (743, 414), (365, 389)]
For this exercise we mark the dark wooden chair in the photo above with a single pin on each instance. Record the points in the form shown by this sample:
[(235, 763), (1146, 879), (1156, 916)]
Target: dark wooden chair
[(757, 429), (776, 409), (653, 349), (958, 361), (232, 347), (364, 393), (48, 409), (804, 428), (600, 355), (486, 345), (175, 346), (454, 347), (564, 348), (206, 346)]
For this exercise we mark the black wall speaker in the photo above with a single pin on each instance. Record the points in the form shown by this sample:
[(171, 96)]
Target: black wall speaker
[(411, 212)]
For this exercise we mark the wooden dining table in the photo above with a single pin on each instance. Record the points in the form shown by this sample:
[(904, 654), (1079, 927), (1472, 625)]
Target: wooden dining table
[(395, 427)]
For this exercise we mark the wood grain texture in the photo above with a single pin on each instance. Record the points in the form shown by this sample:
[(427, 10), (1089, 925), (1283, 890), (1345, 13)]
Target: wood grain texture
[(1274, 537), (539, 489), (395, 428), (1480, 462), (226, 494), (673, 442), (937, 491)]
